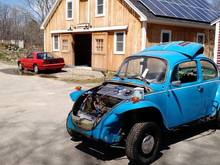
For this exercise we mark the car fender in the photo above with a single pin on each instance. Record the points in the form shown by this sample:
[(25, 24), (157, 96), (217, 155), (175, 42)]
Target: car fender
[(110, 125), (143, 104), (76, 94)]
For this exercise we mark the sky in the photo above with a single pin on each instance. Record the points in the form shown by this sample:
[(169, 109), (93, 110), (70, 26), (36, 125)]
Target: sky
[(13, 2), (21, 2)]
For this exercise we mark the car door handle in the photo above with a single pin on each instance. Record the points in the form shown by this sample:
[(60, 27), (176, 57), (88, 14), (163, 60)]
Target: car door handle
[(200, 89)]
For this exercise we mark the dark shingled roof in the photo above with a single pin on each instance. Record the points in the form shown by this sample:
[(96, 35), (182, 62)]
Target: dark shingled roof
[(146, 7)]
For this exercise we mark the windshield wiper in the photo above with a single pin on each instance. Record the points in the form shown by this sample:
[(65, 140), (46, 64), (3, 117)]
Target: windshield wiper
[(117, 75)]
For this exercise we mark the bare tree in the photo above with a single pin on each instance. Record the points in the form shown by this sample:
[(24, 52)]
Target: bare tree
[(23, 23), (17, 23), (40, 7), (4, 23)]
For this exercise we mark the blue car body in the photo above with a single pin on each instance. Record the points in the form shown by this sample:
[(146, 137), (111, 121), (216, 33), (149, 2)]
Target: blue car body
[(177, 104)]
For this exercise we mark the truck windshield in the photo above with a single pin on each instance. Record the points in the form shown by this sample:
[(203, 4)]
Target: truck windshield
[(151, 69)]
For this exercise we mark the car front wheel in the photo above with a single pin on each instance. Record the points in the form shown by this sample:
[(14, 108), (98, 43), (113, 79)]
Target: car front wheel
[(20, 67), (143, 143), (36, 69)]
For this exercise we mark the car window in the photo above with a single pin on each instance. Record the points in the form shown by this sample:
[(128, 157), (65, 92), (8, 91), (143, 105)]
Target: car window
[(44, 56), (209, 71), (30, 56), (185, 72), (151, 69)]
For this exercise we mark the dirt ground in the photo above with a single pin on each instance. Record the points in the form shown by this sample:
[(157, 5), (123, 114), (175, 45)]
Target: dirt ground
[(33, 113)]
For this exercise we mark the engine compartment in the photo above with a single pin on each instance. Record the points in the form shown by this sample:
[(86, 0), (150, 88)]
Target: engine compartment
[(95, 103)]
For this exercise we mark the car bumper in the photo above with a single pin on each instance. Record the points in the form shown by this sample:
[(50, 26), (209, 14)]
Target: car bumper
[(52, 66), (107, 133)]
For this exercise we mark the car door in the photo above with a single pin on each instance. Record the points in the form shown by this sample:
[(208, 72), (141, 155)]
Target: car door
[(210, 83), (185, 94), (29, 61)]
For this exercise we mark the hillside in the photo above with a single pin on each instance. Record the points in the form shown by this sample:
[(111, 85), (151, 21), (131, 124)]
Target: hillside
[(10, 53)]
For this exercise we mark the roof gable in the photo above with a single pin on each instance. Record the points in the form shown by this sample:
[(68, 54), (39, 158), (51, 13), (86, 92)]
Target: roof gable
[(50, 14), (174, 9), (142, 16)]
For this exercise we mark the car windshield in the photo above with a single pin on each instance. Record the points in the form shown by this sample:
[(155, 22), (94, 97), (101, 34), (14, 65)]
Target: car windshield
[(152, 70), (44, 56)]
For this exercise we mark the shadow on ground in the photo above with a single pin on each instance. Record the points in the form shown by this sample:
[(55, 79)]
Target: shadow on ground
[(100, 151), (189, 133), (46, 74)]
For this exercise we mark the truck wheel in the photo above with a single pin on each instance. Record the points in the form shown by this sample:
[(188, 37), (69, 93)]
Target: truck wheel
[(143, 143), (20, 67), (36, 69)]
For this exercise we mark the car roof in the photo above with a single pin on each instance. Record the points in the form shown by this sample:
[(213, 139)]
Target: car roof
[(170, 56), (38, 52), (174, 52)]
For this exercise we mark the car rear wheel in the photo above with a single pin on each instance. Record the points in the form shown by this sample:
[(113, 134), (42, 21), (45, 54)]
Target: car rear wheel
[(59, 70), (143, 143), (36, 69), (20, 67)]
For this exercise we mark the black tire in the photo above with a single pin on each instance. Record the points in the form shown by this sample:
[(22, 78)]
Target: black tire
[(36, 69), (139, 137), (58, 70), (218, 119), (20, 67)]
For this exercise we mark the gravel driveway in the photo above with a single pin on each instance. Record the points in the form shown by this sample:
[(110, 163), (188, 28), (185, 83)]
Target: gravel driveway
[(33, 111)]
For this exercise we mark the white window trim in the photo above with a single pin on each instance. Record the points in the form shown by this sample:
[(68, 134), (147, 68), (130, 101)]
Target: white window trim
[(115, 43), (96, 9), (66, 45), (54, 49), (200, 34), (165, 31), (67, 1)]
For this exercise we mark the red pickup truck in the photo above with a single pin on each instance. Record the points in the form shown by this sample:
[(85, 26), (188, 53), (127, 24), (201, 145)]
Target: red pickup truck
[(39, 61)]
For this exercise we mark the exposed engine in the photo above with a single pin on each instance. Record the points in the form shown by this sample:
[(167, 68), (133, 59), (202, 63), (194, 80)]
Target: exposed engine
[(94, 104)]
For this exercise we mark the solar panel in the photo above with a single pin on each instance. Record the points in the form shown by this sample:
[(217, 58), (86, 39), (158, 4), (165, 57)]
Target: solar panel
[(195, 10)]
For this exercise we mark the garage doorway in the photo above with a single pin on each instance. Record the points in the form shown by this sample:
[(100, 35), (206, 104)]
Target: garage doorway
[(83, 49)]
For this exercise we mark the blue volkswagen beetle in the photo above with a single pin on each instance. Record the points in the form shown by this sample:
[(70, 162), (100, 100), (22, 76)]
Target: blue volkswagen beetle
[(160, 88)]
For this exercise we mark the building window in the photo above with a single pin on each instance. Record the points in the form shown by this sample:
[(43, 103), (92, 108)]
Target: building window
[(65, 44), (119, 42), (99, 45), (165, 36), (69, 9), (200, 38), (100, 7), (56, 45)]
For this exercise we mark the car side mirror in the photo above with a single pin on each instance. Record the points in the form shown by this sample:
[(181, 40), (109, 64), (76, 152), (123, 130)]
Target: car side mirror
[(176, 83)]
